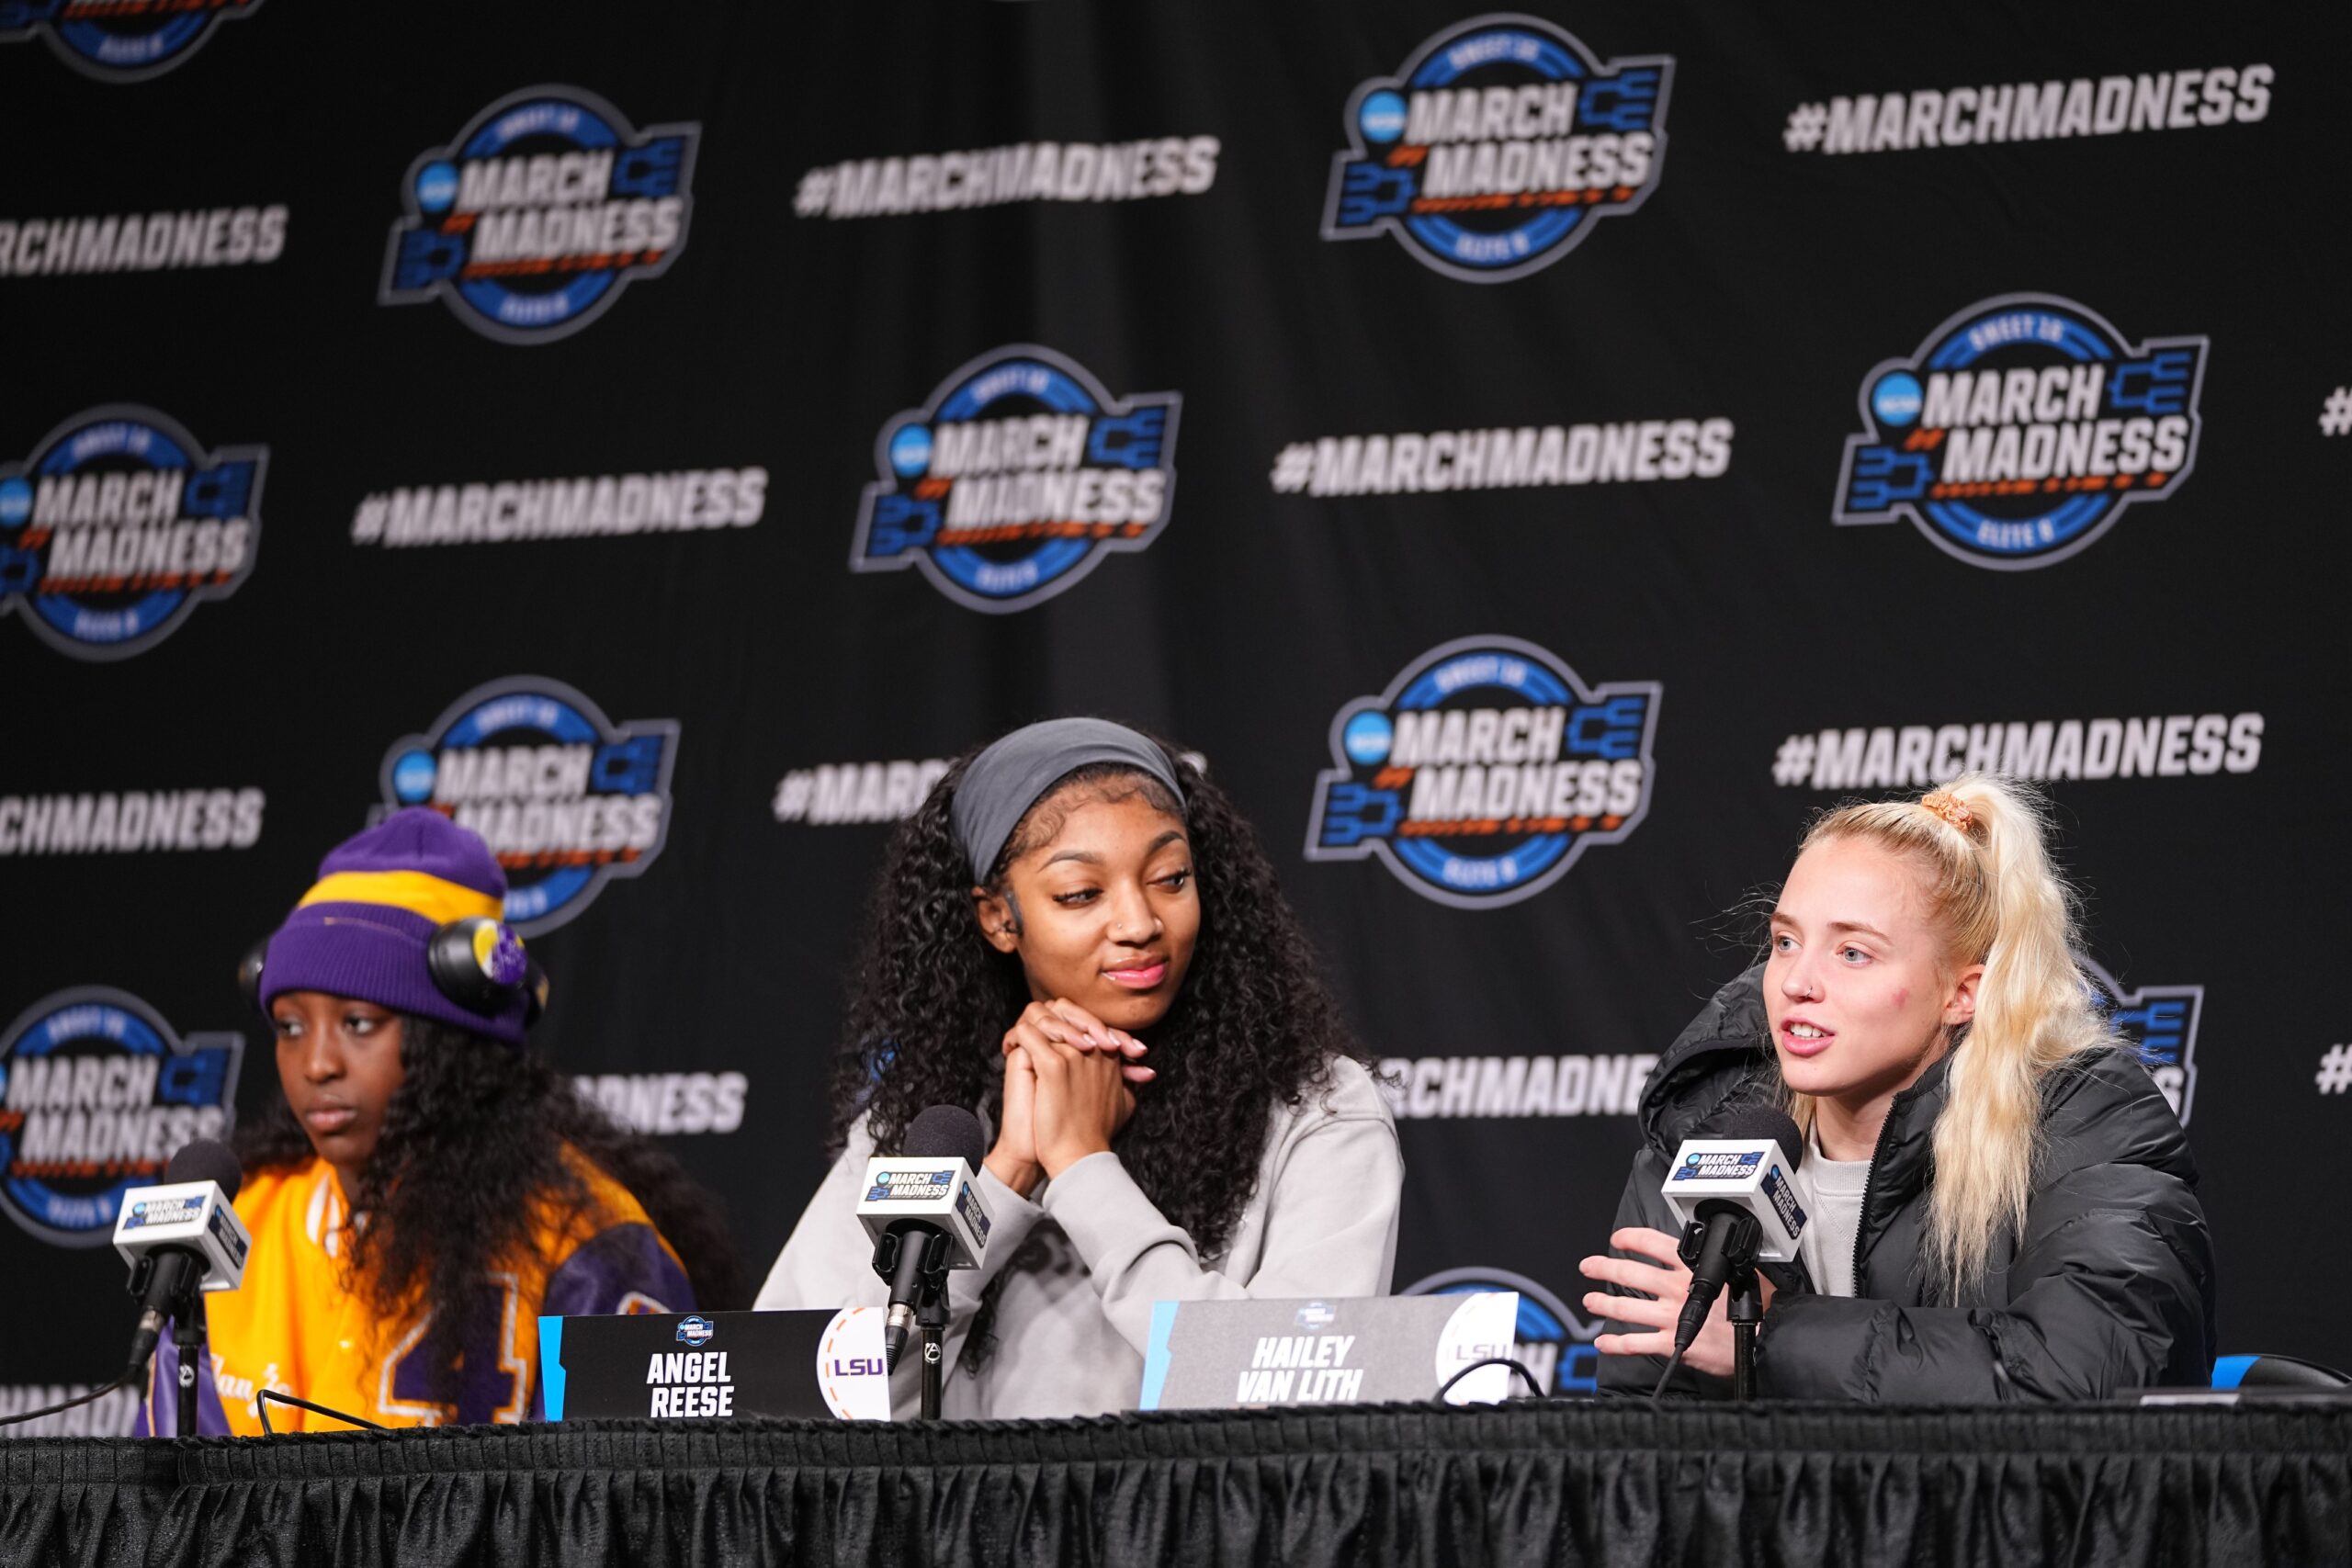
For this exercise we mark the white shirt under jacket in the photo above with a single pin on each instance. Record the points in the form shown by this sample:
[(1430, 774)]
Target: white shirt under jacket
[(1085, 1258)]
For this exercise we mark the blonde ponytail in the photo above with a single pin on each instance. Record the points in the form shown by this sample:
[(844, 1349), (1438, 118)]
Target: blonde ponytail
[(1983, 841)]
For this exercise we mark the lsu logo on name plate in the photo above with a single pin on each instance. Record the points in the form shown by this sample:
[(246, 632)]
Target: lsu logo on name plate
[(120, 524), (1485, 770), (1015, 479), (533, 220), (97, 1094), (566, 799), (1552, 1342), (2020, 429), (2160, 1023), (119, 43), (1496, 148)]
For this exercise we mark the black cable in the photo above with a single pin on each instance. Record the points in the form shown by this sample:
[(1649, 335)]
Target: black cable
[(1672, 1363), (261, 1407), (1492, 1361), (99, 1392)]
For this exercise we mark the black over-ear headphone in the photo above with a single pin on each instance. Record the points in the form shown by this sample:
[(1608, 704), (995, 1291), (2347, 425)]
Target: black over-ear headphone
[(478, 963)]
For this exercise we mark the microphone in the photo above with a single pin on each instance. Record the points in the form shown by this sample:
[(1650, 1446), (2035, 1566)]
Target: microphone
[(923, 1209), (1732, 1195), (181, 1237)]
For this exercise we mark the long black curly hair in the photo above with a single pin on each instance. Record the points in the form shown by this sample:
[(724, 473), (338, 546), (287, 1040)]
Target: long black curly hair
[(1253, 1024), (468, 1162)]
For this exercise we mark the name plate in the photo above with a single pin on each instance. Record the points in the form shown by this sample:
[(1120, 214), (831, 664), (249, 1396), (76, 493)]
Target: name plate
[(1222, 1354), (685, 1366)]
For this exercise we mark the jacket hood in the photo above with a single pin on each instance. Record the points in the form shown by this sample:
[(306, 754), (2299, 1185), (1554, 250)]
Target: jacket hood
[(1722, 1059)]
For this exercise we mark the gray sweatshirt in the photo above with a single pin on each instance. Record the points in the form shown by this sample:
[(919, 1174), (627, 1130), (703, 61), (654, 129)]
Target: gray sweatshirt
[(1085, 1257)]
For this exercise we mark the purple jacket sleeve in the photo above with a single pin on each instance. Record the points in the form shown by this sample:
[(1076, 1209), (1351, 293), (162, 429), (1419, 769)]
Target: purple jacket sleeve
[(621, 1268)]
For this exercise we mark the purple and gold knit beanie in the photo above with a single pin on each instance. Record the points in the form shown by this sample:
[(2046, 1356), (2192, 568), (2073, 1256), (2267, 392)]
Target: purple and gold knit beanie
[(362, 929)]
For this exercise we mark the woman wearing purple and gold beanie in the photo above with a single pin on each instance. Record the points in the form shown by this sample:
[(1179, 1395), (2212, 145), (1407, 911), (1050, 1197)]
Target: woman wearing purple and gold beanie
[(424, 1187)]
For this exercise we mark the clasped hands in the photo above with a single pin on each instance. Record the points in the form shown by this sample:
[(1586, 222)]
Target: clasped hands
[(1068, 1087)]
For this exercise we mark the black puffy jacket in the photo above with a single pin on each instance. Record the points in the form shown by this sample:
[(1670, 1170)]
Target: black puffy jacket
[(2109, 1287)]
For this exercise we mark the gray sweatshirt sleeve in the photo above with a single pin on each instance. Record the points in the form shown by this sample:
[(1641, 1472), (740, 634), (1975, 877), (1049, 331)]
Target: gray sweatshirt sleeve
[(1327, 1203), (829, 1261)]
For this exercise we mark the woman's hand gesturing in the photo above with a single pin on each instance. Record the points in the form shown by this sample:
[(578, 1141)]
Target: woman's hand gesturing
[(1668, 1280)]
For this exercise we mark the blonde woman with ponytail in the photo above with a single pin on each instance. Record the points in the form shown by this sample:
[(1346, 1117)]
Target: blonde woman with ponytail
[(2001, 1204)]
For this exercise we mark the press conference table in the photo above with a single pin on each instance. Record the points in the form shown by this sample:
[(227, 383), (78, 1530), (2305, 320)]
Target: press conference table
[(1527, 1482)]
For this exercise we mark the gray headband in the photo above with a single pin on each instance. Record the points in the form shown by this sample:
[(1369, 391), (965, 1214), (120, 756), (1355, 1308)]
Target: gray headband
[(1015, 771)]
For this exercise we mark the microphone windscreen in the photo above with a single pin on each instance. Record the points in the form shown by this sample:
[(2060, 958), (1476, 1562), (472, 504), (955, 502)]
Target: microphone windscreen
[(947, 1131), (206, 1159), (1761, 1121)]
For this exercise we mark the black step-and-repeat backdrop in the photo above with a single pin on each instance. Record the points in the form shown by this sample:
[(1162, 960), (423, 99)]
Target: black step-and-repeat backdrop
[(1536, 459)]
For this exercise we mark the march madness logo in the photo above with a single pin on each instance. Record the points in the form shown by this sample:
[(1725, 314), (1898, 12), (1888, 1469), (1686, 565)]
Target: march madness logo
[(566, 799), (120, 524), (115, 41), (1017, 477), (1484, 772), (1498, 147), (540, 211), (1716, 1166), (2160, 1021), (2021, 429), (1554, 1344), (97, 1094), (897, 1186)]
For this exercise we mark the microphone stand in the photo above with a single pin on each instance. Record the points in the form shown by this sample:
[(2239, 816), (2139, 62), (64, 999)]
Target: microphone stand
[(187, 1337), (930, 1320), (1746, 1310), (1736, 1244), (186, 1303), (915, 1262)]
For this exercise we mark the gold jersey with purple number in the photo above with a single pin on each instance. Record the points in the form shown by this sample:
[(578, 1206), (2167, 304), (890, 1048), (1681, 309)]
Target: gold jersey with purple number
[(295, 1325)]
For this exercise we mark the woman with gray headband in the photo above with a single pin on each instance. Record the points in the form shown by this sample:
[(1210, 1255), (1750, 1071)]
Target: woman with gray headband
[(1078, 936)]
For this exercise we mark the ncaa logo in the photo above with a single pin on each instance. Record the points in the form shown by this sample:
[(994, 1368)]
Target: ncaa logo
[(1494, 150), (564, 798), (1484, 771), (96, 1093), (2160, 1023), (533, 220), (1015, 479), (696, 1331), (119, 43), (2020, 430), (1550, 1341), (120, 524)]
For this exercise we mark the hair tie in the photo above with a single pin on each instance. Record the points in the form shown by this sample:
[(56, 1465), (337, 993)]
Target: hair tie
[(1951, 808)]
